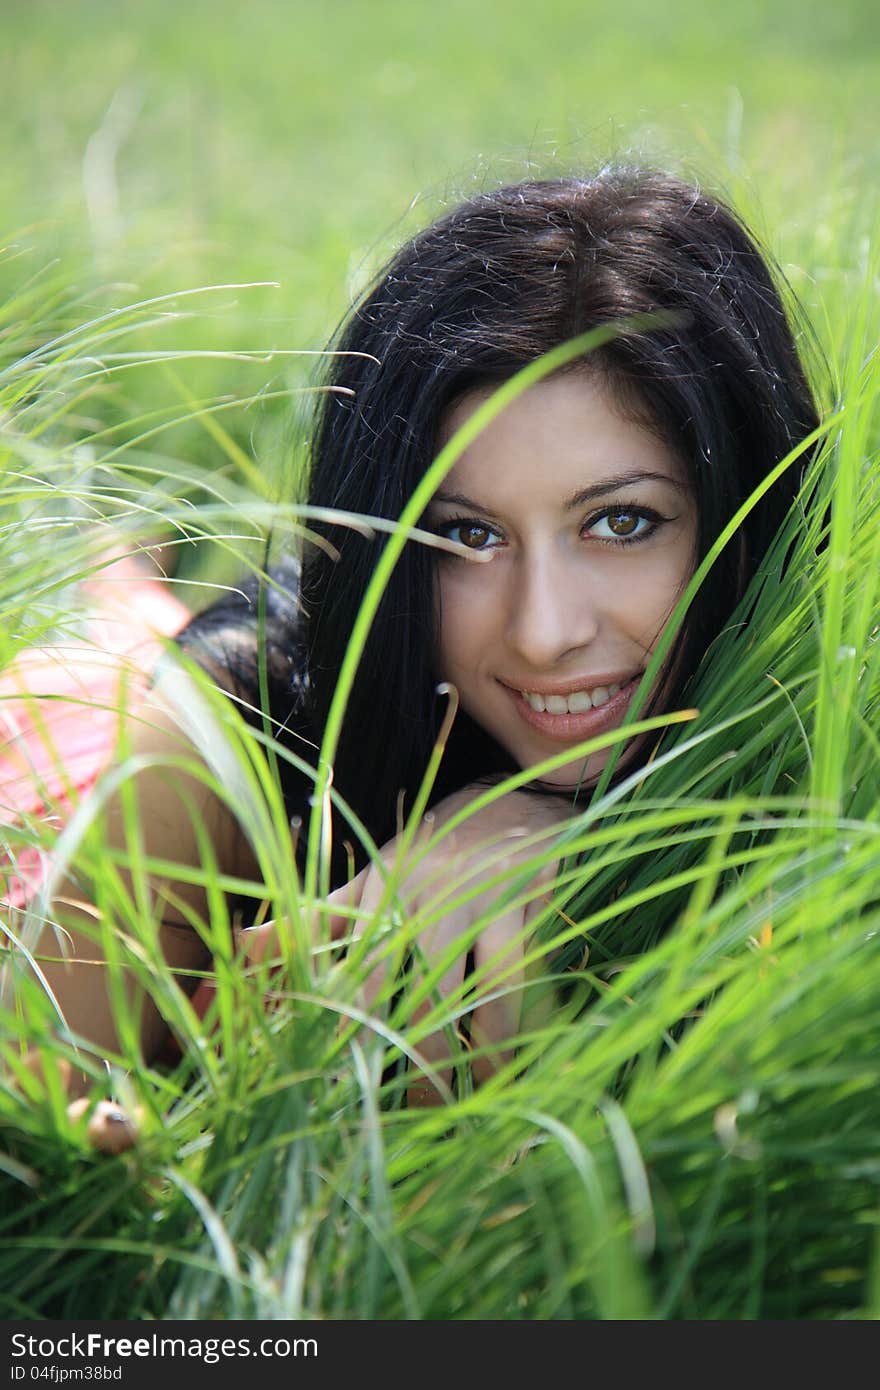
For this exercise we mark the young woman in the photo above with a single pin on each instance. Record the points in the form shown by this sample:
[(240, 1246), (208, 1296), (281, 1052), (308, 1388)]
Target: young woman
[(573, 522)]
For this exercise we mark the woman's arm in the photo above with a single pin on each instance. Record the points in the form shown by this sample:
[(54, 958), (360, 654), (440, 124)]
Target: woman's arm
[(169, 806)]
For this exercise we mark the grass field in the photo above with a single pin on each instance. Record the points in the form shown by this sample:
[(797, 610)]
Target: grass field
[(695, 1132), (157, 148)]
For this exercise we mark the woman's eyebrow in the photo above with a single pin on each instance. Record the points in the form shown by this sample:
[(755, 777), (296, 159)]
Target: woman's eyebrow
[(458, 499), (577, 499), (618, 480)]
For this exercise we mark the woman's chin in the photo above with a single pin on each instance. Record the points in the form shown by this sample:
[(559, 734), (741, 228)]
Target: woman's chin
[(582, 775)]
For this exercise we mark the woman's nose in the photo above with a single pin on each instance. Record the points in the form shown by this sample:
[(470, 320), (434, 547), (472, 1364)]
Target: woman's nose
[(552, 611)]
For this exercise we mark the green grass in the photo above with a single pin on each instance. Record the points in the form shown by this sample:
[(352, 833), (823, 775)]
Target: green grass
[(692, 1131)]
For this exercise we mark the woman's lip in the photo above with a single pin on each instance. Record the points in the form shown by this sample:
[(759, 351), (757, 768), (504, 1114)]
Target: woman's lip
[(569, 687), (576, 728)]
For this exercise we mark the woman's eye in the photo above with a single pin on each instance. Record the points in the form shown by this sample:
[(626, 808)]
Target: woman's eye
[(623, 524), (473, 534)]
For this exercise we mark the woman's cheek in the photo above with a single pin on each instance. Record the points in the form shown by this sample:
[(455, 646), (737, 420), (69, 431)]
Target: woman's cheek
[(653, 595), (467, 619)]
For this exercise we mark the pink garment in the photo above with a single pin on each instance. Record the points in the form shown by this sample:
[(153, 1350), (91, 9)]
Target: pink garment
[(60, 709)]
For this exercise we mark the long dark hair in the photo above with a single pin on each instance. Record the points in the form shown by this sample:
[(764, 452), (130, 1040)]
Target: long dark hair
[(487, 288)]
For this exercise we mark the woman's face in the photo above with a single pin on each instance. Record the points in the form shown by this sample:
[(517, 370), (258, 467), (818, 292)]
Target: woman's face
[(591, 527)]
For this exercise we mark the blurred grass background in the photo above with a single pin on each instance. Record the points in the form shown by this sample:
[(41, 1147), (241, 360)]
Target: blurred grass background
[(159, 146), (151, 148)]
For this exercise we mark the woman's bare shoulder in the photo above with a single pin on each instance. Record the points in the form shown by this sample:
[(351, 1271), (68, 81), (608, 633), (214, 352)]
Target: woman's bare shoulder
[(177, 771)]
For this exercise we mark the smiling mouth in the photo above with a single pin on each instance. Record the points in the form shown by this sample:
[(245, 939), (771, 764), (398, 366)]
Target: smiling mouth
[(577, 715), (578, 702)]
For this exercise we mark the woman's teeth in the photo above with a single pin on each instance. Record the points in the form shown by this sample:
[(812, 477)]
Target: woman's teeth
[(578, 702)]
